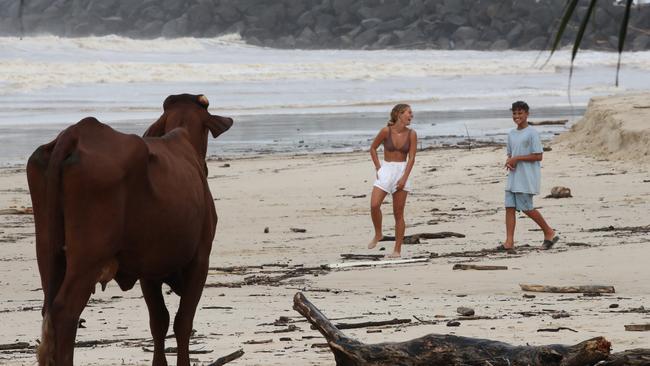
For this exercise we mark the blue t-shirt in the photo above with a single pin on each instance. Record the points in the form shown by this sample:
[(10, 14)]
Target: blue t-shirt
[(527, 176)]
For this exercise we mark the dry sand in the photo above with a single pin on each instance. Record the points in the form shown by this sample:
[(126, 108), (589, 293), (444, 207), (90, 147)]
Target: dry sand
[(328, 195)]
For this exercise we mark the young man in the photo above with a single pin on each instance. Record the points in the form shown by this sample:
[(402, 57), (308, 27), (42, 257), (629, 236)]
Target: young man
[(524, 177)]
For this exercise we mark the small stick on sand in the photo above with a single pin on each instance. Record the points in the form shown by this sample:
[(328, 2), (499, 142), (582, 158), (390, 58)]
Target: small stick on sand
[(225, 359), (370, 324)]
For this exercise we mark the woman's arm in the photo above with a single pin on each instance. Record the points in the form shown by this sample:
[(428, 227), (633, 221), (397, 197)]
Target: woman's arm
[(413, 148), (381, 136)]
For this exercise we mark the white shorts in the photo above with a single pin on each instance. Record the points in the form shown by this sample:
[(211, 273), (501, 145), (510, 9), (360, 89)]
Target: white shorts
[(388, 175)]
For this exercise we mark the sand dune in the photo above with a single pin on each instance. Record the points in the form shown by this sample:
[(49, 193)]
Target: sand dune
[(613, 127)]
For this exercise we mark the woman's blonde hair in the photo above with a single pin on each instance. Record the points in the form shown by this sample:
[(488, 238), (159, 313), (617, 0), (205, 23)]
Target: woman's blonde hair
[(397, 110)]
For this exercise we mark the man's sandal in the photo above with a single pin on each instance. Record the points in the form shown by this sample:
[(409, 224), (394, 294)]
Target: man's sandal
[(548, 244), (501, 248)]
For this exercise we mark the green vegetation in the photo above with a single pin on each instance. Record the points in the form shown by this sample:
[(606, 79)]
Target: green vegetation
[(566, 17)]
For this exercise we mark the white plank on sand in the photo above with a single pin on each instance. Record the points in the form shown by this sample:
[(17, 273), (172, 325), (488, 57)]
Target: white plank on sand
[(374, 263)]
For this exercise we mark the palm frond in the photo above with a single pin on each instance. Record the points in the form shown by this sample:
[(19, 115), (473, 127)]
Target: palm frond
[(567, 12), (622, 34), (581, 30), (569, 9), (578, 40)]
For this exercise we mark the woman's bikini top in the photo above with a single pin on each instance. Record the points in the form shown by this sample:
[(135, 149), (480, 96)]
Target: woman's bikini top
[(390, 146)]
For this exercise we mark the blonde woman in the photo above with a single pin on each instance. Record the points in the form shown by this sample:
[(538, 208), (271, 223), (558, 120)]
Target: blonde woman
[(400, 143)]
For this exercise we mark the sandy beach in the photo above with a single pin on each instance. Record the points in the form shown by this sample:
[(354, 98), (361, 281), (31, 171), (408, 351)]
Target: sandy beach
[(604, 241)]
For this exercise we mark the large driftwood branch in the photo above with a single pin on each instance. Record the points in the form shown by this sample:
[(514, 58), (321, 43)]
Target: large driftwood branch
[(569, 289), (447, 350), (632, 357)]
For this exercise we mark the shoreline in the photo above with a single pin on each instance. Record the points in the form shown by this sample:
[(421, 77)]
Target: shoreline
[(306, 134)]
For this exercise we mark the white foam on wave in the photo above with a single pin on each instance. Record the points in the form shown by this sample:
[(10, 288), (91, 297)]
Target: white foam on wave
[(47, 61), (120, 44)]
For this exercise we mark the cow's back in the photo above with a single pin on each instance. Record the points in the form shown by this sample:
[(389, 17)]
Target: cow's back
[(143, 202), (176, 211)]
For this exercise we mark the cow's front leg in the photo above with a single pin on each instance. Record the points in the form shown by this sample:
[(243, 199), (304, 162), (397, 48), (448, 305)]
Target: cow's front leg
[(158, 318)]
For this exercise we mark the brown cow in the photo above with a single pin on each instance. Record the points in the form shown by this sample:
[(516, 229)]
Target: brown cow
[(108, 205)]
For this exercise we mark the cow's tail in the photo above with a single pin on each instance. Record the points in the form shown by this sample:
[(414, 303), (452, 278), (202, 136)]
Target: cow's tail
[(53, 247)]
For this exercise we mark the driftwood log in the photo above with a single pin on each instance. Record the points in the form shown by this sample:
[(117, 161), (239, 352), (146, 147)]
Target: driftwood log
[(596, 289), (371, 257), (17, 211), (637, 327), (546, 123), (447, 350), (14, 346), (371, 324), (479, 267), (633, 229)]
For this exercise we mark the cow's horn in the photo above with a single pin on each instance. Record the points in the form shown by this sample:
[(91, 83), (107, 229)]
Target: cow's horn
[(204, 100)]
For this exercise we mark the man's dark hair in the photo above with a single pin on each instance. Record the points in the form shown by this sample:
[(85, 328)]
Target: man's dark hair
[(520, 104)]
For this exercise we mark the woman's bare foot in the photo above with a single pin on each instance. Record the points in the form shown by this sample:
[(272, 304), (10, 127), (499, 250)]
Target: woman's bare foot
[(374, 241), (394, 255)]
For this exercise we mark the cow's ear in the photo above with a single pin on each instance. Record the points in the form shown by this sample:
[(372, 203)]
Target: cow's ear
[(218, 125), (157, 129)]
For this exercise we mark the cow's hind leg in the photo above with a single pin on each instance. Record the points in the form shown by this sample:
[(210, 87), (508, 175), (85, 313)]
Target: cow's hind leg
[(192, 287), (65, 311), (158, 318)]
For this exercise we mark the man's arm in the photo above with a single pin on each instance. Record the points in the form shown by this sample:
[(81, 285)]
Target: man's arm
[(511, 163), (530, 157)]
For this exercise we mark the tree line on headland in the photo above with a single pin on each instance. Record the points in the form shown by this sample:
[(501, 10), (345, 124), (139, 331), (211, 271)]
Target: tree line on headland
[(337, 24)]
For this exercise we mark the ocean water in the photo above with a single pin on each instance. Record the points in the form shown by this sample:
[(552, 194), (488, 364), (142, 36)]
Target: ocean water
[(290, 100)]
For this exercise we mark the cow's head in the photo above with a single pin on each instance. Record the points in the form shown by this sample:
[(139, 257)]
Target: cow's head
[(190, 112)]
